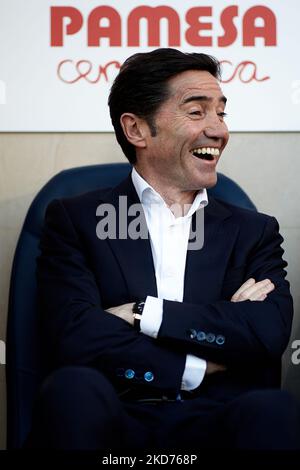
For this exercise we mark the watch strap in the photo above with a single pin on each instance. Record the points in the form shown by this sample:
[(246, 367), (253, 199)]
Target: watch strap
[(137, 311)]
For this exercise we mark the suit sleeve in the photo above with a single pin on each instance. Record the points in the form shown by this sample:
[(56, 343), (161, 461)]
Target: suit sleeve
[(242, 332), (77, 330)]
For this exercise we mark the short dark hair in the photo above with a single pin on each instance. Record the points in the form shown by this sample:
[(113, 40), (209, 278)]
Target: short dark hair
[(142, 86)]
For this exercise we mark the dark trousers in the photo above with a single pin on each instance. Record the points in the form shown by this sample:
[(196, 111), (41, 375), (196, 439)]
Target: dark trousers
[(78, 408)]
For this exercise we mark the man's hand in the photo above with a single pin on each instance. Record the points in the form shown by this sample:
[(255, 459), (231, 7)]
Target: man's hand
[(123, 311), (252, 290), (212, 367)]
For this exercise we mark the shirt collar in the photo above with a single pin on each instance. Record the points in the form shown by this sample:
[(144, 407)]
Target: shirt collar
[(148, 195), (144, 191)]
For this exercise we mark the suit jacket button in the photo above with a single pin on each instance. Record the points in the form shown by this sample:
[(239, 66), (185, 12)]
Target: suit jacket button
[(220, 340), (129, 374), (201, 336), (210, 337), (148, 376), (192, 333)]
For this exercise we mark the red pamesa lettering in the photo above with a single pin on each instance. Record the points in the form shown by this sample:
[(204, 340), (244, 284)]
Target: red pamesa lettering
[(68, 21)]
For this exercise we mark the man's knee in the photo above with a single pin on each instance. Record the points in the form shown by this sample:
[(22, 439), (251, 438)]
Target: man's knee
[(270, 402), (78, 387), (77, 408), (265, 419), (73, 376)]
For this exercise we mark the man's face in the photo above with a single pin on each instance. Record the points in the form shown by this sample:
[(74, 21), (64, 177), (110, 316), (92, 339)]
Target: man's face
[(191, 133)]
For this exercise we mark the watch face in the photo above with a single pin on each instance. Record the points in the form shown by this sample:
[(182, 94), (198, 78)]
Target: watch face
[(138, 307), (141, 307)]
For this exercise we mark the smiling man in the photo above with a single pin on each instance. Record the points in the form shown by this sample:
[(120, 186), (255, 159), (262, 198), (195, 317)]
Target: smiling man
[(190, 135), (153, 345)]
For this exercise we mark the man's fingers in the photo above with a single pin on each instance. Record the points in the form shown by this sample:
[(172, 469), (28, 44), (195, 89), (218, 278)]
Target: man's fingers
[(250, 282), (212, 367), (256, 291), (259, 287), (261, 298), (262, 293), (258, 295)]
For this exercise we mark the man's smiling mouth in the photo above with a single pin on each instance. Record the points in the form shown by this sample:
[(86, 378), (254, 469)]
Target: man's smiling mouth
[(206, 153)]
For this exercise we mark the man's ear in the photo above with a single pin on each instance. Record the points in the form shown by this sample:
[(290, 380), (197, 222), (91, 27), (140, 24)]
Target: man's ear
[(134, 129)]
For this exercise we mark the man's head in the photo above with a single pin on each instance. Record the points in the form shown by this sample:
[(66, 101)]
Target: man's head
[(165, 105), (142, 86)]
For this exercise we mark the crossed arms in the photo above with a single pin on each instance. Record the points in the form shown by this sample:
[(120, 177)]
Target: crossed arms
[(249, 290), (79, 329)]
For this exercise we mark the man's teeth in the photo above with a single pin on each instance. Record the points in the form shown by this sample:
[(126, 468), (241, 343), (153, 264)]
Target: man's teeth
[(205, 151)]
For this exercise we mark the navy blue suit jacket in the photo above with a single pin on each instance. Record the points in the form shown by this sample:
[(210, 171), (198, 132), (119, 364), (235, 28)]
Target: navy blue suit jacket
[(79, 276)]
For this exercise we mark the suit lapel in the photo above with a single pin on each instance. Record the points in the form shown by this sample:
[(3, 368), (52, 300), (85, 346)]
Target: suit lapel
[(134, 255), (205, 268)]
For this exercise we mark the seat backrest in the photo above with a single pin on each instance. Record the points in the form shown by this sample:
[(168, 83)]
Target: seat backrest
[(23, 366)]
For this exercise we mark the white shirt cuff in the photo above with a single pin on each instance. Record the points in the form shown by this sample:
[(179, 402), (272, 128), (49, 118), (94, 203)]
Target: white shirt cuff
[(152, 316), (193, 373)]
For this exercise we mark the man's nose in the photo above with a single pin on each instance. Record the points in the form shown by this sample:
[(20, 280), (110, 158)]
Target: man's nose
[(215, 128)]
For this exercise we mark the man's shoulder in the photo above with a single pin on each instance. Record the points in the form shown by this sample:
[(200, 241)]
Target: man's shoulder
[(86, 198), (80, 207), (244, 216), (89, 199)]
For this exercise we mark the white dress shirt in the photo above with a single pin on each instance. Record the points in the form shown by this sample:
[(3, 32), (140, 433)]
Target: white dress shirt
[(169, 240)]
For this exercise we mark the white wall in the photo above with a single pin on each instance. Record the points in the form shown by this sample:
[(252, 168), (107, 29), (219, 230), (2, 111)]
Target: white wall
[(266, 165)]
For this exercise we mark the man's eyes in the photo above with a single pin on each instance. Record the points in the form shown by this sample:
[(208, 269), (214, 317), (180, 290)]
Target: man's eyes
[(200, 113)]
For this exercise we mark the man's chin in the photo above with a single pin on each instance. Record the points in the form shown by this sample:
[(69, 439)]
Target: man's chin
[(209, 181)]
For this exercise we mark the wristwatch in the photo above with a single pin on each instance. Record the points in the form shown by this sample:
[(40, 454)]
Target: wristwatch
[(137, 311)]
